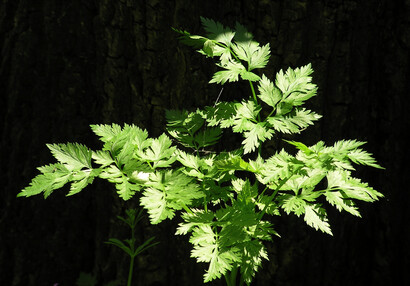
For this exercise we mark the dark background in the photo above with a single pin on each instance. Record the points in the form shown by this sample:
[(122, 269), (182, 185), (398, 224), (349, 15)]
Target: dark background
[(67, 64)]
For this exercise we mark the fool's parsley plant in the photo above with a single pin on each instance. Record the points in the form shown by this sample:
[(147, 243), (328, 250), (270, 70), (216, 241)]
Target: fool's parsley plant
[(223, 200)]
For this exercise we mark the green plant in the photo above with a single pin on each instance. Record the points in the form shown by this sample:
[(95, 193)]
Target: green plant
[(225, 198), (130, 246)]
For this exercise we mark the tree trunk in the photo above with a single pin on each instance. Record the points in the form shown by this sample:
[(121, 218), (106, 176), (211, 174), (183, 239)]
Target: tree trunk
[(67, 64)]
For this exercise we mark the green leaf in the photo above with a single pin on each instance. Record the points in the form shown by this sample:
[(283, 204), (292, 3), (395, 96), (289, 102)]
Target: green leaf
[(352, 188), (302, 147), (73, 155), (217, 32), (120, 244), (81, 180), (294, 122), (362, 157), (206, 249), (252, 253), (257, 134), (247, 75), (106, 132), (268, 92), (154, 201), (159, 152), (102, 157), (168, 191), (316, 218), (337, 200), (231, 73), (223, 114), (52, 177), (125, 187)]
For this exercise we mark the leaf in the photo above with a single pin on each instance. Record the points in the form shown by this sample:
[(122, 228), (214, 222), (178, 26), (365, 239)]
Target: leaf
[(231, 73), (190, 40), (316, 218), (208, 48), (252, 253), (125, 188), (217, 32), (223, 114), (294, 122), (206, 249), (247, 75), (160, 152), (259, 133), (268, 92), (120, 244), (362, 157), (52, 177), (81, 180), (336, 199), (168, 191), (154, 201), (73, 155), (102, 157), (352, 188), (295, 204), (259, 57), (302, 147)]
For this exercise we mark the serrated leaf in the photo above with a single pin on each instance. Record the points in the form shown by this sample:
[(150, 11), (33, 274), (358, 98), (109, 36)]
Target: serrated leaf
[(81, 180), (154, 201), (206, 249), (316, 218), (247, 75), (293, 122), (102, 158), (258, 134), (359, 156), (169, 191), (159, 152), (253, 253), (223, 114), (52, 177), (268, 92), (73, 155), (217, 32), (337, 200), (231, 73)]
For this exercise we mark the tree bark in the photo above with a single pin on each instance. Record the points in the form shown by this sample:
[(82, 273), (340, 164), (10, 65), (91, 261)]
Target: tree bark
[(67, 64)]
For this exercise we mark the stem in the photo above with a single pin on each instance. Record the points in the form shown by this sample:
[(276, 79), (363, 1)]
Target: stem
[(130, 271), (132, 245), (255, 99), (186, 209), (231, 278)]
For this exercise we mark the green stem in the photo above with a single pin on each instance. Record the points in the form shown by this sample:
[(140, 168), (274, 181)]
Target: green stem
[(130, 271), (230, 278), (132, 245)]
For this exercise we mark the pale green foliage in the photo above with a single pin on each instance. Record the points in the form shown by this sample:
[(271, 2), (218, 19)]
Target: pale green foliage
[(227, 217)]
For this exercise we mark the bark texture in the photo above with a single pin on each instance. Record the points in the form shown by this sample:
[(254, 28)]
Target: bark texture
[(67, 64)]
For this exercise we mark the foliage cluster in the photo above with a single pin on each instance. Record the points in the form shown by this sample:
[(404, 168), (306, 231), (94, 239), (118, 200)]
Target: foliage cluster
[(224, 199)]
